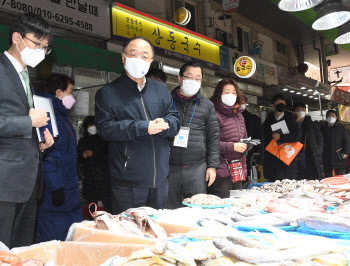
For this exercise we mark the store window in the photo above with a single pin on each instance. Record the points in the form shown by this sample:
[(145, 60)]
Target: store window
[(243, 39), (192, 25), (281, 47)]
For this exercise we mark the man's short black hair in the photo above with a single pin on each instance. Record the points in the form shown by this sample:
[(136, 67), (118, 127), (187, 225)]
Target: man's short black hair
[(157, 74), (190, 64), (25, 23), (300, 104), (332, 111), (57, 81), (277, 97), (138, 38)]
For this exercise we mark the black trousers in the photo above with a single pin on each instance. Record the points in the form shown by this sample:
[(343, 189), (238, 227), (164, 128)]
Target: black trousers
[(124, 198), (328, 171), (17, 222), (222, 186)]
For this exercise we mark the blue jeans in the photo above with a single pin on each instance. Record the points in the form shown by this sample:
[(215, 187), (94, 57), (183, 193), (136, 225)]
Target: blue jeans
[(124, 198)]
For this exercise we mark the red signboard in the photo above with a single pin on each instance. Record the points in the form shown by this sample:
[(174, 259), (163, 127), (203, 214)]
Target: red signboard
[(340, 96), (230, 6)]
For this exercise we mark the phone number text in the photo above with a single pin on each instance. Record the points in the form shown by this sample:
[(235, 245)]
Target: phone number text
[(48, 14)]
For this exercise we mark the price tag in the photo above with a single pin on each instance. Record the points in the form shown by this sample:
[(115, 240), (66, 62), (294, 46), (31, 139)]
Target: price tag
[(181, 139)]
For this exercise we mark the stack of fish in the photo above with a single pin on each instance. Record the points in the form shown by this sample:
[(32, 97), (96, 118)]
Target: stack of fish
[(136, 223), (205, 199), (287, 185), (9, 259), (283, 249), (159, 253)]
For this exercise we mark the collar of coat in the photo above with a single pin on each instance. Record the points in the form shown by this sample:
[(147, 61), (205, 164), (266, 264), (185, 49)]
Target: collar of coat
[(184, 100)]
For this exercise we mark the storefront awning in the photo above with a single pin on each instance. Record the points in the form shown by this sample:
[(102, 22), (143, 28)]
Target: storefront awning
[(75, 54)]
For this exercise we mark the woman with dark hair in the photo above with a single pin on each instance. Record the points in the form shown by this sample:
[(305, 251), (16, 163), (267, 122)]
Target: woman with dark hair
[(227, 98), (60, 205), (92, 153)]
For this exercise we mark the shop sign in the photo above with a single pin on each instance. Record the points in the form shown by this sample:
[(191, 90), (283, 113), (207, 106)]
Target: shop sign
[(256, 48), (224, 58), (66, 70), (88, 16), (167, 38), (245, 67), (340, 96), (344, 113), (230, 6), (182, 16), (265, 72)]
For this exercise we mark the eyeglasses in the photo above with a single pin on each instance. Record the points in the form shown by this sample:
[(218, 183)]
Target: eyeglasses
[(198, 80), (38, 46), (135, 55)]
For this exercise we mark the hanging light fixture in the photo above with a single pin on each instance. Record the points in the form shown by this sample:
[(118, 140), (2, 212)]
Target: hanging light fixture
[(330, 14), (343, 34), (297, 5)]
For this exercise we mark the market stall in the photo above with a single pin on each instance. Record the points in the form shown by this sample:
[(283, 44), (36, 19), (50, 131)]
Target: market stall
[(287, 222)]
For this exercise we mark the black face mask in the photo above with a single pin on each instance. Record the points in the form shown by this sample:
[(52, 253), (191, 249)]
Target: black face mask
[(280, 107)]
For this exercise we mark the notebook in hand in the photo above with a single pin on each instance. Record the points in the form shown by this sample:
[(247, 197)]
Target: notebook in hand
[(42, 129)]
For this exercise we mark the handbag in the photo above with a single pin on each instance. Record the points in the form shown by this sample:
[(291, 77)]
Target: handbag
[(286, 152), (235, 167)]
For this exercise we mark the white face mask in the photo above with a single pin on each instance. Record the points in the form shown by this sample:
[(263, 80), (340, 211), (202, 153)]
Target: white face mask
[(30, 57), (331, 120), (229, 99), (302, 114), (243, 106), (92, 130), (190, 87), (136, 67)]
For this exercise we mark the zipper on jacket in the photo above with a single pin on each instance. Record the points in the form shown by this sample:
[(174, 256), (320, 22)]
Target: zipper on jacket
[(154, 150), (126, 157)]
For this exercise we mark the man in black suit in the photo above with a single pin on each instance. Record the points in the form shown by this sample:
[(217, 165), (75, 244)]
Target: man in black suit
[(20, 152)]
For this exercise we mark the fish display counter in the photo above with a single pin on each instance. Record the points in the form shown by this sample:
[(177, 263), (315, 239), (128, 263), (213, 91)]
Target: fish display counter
[(283, 223)]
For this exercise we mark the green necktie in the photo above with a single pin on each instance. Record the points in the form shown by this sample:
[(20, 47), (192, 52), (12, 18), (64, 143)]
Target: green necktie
[(28, 90)]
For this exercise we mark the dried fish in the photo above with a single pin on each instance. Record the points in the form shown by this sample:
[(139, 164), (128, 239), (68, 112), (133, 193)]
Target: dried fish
[(105, 221), (238, 238), (148, 226), (331, 224), (221, 243), (205, 199)]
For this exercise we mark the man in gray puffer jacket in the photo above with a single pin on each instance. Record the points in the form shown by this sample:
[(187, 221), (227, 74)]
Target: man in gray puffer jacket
[(194, 154)]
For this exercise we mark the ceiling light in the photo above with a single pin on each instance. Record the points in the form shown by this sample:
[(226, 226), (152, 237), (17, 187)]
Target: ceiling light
[(321, 94), (303, 88), (304, 94), (311, 96), (330, 14), (316, 92), (298, 92), (316, 98), (343, 36), (309, 90), (292, 91), (297, 5), (285, 89)]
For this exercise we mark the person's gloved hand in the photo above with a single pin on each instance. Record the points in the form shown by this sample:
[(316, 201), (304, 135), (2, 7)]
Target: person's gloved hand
[(58, 197)]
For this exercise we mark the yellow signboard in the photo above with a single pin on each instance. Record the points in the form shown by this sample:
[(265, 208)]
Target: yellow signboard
[(245, 67), (175, 41)]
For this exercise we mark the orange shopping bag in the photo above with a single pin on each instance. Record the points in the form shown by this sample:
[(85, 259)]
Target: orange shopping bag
[(286, 152)]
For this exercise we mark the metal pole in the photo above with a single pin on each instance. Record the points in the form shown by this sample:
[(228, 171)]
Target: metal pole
[(324, 61), (320, 104), (206, 15)]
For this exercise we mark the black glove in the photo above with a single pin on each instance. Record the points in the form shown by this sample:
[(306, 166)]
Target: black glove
[(58, 197)]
